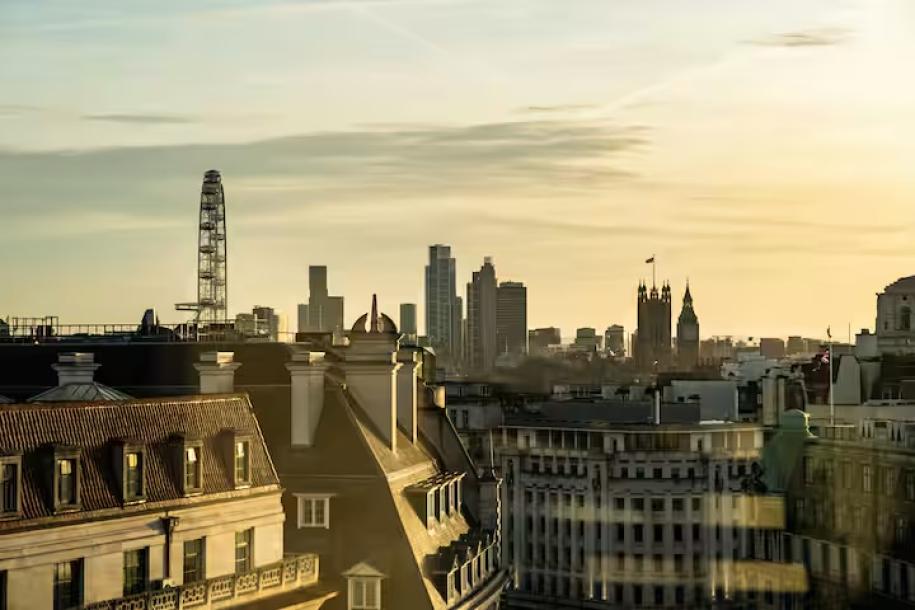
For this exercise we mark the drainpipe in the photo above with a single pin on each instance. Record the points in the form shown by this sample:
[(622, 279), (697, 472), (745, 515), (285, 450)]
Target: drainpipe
[(169, 523)]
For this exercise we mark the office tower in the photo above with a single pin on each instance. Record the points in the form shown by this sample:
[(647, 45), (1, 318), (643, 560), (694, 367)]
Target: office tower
[(481, 318), (653, 340), (325, 313), (687, 334), (266, 322), (587, 339), (302, 318), (540, 340), (408, 318), (511, 318), (615, 341), (443, 307)]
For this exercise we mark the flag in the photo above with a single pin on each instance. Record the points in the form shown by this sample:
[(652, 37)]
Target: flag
[(650, 260), (829, 332), (821, 359)]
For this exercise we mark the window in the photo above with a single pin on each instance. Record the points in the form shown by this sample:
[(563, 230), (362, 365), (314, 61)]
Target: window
[(243, 546), (314, 511), (364, 593), (68, 584), (136, 571), (192, 457), (657, 505), (9, 488), (242, 462), (66, 488), (194, 560), (3, 592), (866, 478), (133, 476), (910, 486)]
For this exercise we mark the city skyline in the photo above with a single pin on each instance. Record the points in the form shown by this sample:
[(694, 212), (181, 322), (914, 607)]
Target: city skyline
[(739, 148)]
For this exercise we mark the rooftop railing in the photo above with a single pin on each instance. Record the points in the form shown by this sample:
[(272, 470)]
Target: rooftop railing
[(291, 573)]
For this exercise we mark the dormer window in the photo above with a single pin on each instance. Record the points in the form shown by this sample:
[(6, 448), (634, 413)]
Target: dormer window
[(192, 463), (66, 482), (363, 587), (130, 466), (133, 475), (242, 460), (10, 484)]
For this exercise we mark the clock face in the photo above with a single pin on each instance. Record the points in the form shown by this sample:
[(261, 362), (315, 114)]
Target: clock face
[(689, 333)]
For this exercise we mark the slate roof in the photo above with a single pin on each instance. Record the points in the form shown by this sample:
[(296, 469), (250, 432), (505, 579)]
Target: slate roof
[(32, 429)]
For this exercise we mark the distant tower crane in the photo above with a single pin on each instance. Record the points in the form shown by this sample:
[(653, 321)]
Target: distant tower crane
[(212, 280)]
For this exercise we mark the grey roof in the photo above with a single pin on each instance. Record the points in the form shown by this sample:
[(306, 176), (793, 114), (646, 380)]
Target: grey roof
[(30, 430), (601, 414), (80, 392)]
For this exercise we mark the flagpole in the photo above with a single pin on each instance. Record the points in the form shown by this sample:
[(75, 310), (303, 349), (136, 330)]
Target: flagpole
[(654, 281), (832, 403)]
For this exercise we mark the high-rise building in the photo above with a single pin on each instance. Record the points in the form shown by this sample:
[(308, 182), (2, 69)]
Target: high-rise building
[(443, 307), (302, 318), (408, 323), (511, 318), (653, 340), (540, 339), (408, 318), (324, 313), (587, 339), (481, 318), (615, 341), (687, 334)]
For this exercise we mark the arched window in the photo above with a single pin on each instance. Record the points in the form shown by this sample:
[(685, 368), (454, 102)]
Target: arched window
[(905, 318)]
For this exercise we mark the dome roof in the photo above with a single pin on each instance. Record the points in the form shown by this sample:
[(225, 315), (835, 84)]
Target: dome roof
[(380, 323), (79, 392), (903, 284)]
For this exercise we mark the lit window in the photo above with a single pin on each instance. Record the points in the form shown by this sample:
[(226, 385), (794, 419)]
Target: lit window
[(242, 463), (66, 482), (133, 476), (314, 511), (191, 468), (364, 593)]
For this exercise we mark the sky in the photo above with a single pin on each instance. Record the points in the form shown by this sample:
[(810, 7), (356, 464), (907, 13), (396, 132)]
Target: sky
[(761, 150)]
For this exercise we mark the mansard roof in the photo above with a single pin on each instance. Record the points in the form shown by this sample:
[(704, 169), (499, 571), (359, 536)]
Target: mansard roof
[(30, 430)]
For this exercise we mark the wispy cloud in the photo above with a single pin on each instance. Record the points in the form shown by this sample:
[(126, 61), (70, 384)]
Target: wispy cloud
[(141, 119), (822, 37), (555, 108), (284, 178)]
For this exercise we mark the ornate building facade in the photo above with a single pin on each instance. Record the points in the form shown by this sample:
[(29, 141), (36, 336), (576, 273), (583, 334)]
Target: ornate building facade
[(653, 341), (687, 335)]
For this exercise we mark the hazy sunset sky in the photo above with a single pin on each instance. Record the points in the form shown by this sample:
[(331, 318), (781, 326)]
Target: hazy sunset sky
[(764, 150)]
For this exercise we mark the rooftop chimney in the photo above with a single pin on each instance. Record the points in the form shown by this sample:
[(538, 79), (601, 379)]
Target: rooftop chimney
[(75, 367), (406, 392), (217, 372), (306, 371)]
